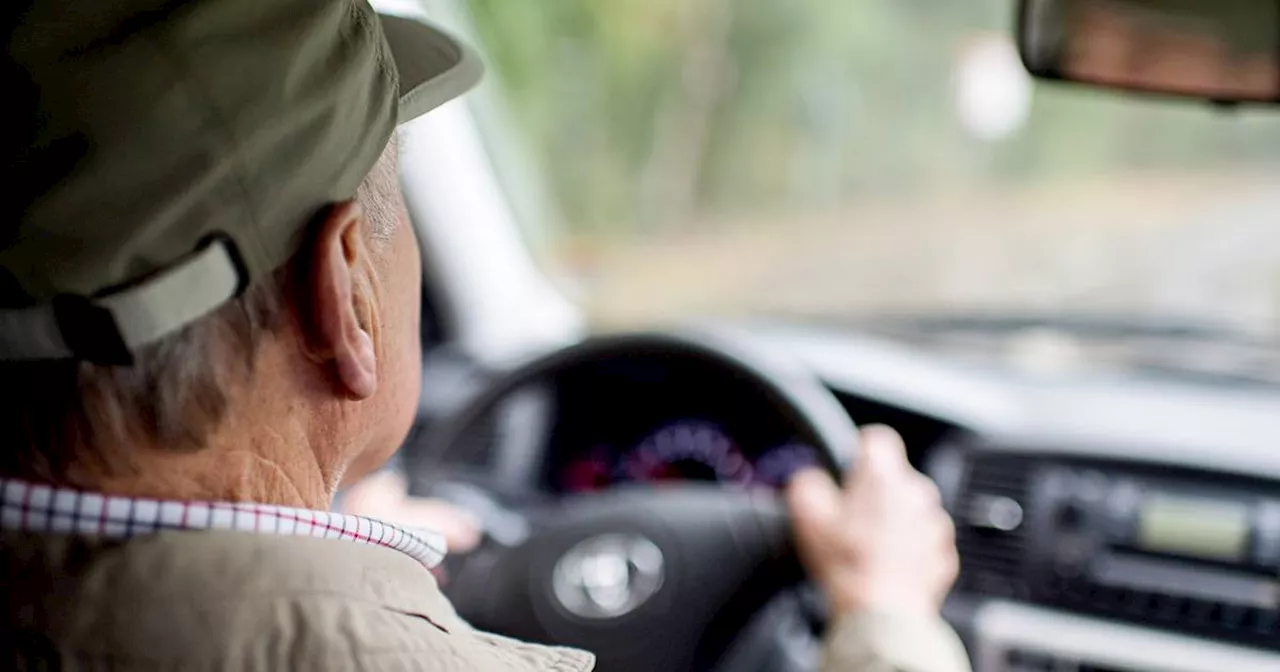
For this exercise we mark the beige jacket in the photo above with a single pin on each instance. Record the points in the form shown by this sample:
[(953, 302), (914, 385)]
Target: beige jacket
[(237, 601)]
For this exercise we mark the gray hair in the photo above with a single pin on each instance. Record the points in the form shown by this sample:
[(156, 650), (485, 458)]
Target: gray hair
[(176, 393)]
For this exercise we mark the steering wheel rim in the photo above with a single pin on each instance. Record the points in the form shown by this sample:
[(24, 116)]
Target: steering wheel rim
[(815, 411), (722, 553)]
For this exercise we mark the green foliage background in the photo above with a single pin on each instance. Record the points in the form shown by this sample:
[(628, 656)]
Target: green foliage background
[(664, 113)]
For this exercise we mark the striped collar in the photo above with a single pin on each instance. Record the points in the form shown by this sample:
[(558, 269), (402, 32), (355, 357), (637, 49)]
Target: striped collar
[(40, 508)]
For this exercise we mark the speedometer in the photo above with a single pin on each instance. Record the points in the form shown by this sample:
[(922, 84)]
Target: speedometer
[(688, 450)]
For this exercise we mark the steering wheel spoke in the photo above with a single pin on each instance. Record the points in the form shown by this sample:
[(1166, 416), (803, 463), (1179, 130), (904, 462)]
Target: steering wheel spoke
[(641, 576)]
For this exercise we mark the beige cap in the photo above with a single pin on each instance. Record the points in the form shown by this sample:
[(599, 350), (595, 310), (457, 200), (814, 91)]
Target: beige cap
[(163, 156)]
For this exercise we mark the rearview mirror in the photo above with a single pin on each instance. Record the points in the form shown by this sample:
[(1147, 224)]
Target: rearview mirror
[(1222, 50)]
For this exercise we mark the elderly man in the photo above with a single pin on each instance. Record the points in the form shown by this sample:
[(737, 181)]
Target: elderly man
[(210, 317)]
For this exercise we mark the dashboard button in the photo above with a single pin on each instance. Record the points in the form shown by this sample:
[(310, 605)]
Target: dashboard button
[(1199, 612), (1122, 507), (1231, 616), (1266, 540), (1264, 621), (1092, 486), (1069, 517), (1136, 603)]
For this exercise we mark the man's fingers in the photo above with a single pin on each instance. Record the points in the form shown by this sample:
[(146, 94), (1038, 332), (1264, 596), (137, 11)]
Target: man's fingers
[(881, 453), (948, 564), (948, 531), (814, 499), (884, 539), (926, 490)]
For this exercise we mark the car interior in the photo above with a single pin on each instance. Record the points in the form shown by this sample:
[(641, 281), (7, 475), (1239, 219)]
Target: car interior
[(1107, 519)]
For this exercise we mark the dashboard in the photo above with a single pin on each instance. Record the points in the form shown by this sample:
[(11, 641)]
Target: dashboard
[(1104, 523), (650, 420)]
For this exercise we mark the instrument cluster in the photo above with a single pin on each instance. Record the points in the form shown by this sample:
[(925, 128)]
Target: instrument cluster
[(686, 449)]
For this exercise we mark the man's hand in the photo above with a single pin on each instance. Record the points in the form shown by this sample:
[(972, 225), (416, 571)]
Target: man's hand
[(884, 541)]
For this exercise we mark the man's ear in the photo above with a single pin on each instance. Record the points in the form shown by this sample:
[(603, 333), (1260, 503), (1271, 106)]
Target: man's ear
[(341, 310)]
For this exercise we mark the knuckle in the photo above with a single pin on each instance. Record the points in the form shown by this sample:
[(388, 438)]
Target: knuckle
[(924, 496), (952, 571), (947, 527), (847, 551), (929, 490), (953, 555)]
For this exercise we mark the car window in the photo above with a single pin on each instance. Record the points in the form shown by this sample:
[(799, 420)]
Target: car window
[(836, 159)]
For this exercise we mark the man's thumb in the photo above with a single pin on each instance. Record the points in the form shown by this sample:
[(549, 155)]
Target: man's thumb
[(814, 499)]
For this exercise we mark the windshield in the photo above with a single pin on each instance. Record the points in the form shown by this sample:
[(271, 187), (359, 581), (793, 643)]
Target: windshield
[(834, 160)]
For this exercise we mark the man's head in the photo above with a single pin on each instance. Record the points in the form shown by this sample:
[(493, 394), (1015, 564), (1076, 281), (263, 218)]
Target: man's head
[(208, 277)]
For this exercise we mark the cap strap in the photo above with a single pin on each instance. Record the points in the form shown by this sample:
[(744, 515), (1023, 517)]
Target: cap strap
[(109, 329)]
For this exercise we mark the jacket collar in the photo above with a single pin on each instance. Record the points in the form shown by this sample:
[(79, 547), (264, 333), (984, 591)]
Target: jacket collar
[(29, 507)]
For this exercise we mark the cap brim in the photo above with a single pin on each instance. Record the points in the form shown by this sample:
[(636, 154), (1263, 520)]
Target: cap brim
[(434, 67)]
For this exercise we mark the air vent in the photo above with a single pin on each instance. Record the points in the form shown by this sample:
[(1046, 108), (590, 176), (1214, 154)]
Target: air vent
[(990, 530)]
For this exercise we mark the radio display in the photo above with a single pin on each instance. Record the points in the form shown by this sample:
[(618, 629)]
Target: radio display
[(1199, 528)]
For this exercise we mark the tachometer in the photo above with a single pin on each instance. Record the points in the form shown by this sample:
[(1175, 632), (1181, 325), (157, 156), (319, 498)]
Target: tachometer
[(688, 450)]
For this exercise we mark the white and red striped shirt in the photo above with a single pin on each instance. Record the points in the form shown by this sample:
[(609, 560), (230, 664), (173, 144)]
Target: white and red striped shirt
[(40, 508)]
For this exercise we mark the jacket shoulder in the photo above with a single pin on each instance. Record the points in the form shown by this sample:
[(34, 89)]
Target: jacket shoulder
[(226, 600)]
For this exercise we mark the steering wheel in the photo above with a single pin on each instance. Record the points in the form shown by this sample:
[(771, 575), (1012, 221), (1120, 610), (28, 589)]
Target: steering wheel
[(688, 577)]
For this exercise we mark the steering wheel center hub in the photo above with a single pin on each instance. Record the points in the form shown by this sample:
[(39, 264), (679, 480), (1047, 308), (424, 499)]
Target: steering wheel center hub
[(608, 576)]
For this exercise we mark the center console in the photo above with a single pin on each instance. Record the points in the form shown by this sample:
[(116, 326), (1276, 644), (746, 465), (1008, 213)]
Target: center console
[(1086, 565), (1159, 549)]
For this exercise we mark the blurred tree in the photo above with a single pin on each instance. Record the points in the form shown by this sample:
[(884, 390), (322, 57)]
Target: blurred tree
[(657, 113)]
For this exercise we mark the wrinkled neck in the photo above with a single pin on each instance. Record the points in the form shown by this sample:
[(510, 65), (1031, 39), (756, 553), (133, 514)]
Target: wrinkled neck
[(270, 466), (285, 438)]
